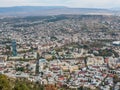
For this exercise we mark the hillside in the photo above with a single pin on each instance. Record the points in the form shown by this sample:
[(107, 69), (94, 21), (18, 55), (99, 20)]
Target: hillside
[(49, 10)]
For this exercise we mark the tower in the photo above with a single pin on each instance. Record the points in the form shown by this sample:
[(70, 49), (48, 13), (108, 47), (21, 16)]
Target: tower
[(14, 50)]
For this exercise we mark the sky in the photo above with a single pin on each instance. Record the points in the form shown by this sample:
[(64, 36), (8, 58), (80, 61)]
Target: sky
[(68, 3)]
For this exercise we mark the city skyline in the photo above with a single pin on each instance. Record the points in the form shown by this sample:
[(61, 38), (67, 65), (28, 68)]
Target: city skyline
[(68, 3)]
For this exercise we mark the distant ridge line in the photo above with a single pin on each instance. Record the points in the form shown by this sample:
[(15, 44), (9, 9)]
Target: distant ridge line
[(50, 10)]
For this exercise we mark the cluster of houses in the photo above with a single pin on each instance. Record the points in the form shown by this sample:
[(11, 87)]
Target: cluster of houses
[(71, 67), (90, 71)]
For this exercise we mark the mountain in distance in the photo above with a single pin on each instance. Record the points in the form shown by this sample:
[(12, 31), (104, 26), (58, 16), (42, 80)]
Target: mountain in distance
[(50, 10)]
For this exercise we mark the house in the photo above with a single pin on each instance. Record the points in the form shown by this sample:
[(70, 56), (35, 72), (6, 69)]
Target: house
[(3, 60), (97, 60)]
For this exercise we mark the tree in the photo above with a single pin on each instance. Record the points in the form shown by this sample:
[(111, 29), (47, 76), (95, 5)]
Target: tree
[(20, 69), (85, 61), (7, 83), (21, 86), (80, 88), (4, 83), (50, 87), (38, 56), (116, 79), (8, 47)]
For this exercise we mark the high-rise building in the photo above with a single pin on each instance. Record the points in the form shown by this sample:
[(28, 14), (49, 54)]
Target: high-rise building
[(14, 50)]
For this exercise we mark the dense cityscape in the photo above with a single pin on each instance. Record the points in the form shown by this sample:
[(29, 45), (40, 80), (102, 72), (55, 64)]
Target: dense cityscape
[(70, 52)]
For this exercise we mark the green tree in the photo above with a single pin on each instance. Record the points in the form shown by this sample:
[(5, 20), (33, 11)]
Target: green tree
[(4, 83), (21, 86)]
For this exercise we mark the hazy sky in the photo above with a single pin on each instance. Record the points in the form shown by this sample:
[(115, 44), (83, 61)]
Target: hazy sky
[(69, 3)]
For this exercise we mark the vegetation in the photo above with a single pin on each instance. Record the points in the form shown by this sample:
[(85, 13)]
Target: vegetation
[(19, 84), (20, 69), (107, 52), (50, 87), (4, 83), (116, 79)]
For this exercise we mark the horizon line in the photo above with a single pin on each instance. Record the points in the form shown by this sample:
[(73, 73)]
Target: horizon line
[(53, 6)]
